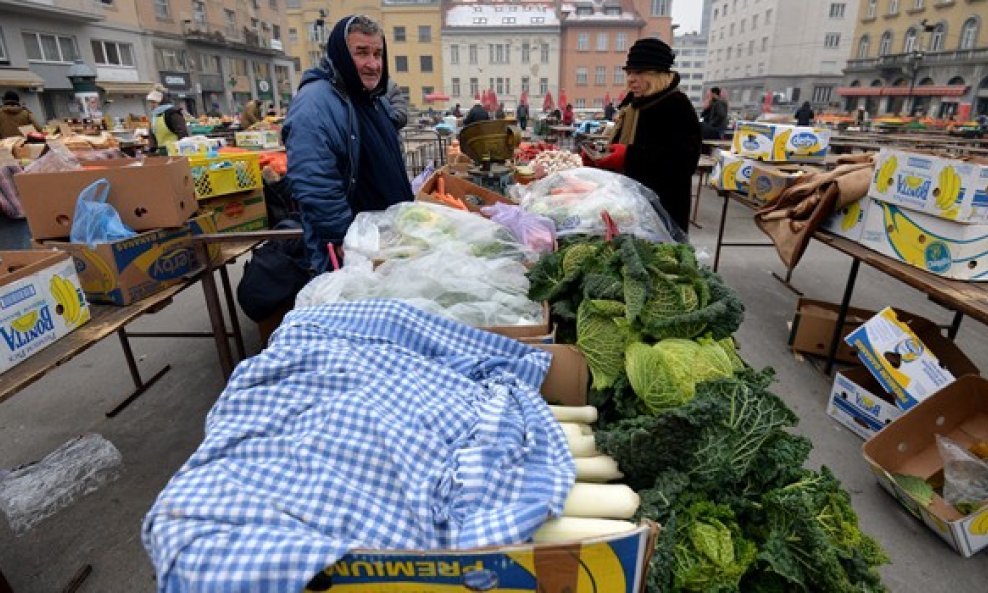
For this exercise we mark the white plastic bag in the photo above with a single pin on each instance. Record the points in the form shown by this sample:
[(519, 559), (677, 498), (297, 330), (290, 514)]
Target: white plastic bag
[(575, 199), (965, 476)]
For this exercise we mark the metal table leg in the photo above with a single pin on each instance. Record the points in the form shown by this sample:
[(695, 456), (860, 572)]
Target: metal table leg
[(842, 316), (231, 309), (720, 230), (215, 309), (955, 325), (140, 384), (696, 199)]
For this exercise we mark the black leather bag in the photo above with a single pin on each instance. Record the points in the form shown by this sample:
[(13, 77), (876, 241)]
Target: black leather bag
[(276, 272)]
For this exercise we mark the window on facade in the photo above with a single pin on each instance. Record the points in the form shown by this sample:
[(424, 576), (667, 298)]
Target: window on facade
[(872, 9), (584, 10), (474, 87), (751, 47), (618, 75), (499, 86), (831, 40), (544, 53), (161, 9), (909, 41), (732, 28), (583, 42), (837, 10), (3, 51), (612, 10), (230, 22), (315, 56), (294, 3), (209, 64), (238, 66), (507, 86), (199, 14), (508, 20), (398, 34), (525, 84), (600, 75), (821, 94), (273, 4), (167, 58), (498, 53), (660, 7), (729, 51), (918, 4), (969, 34), (768, 16), (427, 90), (480, 20), (45, 47), (581, 104), (425, 63), (938, 37), (112, 53), (401, 63), (620, 41), (754, 22), (761, 67), (601, 41), (526, 52), (885, 45), (864, 47), (543, 86), (455, 87), (741, 27), (472, 51), (893, 7), (425, 33), (581, 76), (454, 54)]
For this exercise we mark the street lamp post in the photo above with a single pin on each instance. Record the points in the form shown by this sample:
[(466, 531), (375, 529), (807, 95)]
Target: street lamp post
[(915, 59)]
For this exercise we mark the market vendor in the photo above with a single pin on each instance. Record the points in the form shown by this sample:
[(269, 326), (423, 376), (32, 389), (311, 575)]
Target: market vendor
[(344, 156), (167, 121), (251, 114), (656, 140), (13, 116)]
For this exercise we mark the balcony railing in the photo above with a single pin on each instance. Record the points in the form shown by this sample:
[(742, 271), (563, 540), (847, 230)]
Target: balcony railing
[(84, 10), (962, 56), (247, 38)]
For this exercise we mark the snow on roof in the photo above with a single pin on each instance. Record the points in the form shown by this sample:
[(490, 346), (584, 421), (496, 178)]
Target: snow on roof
[(496, 15), (600, 12)]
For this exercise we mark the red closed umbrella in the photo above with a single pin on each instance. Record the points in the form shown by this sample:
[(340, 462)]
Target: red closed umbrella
[(524, 98), (563, 99), (436, 96), (607, 97), (493, 100), (767, 103), (547, 103)]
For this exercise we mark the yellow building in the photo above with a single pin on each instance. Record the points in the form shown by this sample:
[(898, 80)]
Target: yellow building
[(923, 57), (411, 28)]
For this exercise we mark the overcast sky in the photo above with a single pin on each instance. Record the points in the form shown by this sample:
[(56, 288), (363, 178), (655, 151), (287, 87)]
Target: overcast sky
[(687, 14)]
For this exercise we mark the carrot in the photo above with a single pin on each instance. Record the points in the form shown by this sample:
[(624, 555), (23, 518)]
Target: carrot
[(441, 185)]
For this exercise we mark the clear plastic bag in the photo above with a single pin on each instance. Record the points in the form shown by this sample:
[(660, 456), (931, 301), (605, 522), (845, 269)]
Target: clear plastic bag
[(94, 220), (965, 476), (534, 230), (33, 492), (575, 199), (412, 228), (57, 159), (473, 290)]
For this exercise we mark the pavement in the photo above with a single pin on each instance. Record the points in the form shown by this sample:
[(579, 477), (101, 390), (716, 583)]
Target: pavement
[(158, 432)]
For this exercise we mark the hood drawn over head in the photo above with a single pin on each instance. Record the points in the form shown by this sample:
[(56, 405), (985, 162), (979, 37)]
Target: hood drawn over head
[(338, 54)]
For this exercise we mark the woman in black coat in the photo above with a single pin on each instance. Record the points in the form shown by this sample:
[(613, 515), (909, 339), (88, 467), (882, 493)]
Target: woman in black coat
[(657, 139)]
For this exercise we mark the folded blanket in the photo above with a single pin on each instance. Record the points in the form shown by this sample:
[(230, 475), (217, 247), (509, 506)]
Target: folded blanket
[(363, 425)]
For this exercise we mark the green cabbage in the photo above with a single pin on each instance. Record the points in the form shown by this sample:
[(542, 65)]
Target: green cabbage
[(602, 339)]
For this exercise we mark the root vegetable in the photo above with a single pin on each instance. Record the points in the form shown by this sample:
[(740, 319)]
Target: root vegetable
[(576, 528), (599, 468), (602, 501)]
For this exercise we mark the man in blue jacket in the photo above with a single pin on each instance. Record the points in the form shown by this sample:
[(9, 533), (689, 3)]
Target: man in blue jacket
[(344, 156)]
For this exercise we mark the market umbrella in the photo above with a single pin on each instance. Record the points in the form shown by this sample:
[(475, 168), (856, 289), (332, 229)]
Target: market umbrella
[(493, 99), (436, 96), (563, 99), (547, 103), (620, 97), (607, 98), (524, 98), (767, 103)]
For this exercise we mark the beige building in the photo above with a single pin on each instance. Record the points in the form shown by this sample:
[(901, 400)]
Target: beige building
[(924, 57), (411, 27)]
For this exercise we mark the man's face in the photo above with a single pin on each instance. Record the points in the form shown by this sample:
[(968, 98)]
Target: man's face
[(367, 52)]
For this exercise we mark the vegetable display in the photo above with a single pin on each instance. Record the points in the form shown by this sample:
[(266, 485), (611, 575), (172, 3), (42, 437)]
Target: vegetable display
[(694, 431)]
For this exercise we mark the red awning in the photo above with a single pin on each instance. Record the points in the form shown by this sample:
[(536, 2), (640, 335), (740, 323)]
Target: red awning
[(859, 91), (946, 90)]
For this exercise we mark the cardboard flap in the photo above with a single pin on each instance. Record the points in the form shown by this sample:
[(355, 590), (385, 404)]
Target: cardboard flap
[(15, 265), (568, 378)]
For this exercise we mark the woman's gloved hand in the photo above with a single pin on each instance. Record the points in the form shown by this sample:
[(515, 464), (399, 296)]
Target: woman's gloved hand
[(614, 161)]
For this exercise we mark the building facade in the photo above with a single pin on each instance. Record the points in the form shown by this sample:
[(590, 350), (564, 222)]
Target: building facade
[(791, 51), (691, 62), (414, 32), (919, 57), (39, 41), (510, 47), (218, 55)]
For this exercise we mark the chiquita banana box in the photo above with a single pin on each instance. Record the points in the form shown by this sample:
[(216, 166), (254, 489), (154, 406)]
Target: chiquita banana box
[(41, 301), (731, 172), (943, 247), (945, 188), (898, 359), (780, 142), (849, 221)]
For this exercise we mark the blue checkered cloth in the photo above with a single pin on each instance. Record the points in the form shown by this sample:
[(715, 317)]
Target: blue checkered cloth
[(368, 424)]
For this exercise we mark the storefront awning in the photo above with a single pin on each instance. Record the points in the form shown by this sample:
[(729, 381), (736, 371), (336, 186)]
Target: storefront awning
[(125, 88), (20, 78), (945, 90)]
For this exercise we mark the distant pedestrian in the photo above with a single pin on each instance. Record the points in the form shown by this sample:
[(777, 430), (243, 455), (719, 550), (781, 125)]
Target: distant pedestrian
[(13, 115), (457, 112), (522, 115), (499, 112), (476, 113), (397, 103), (805, 115), (609, 111), (568, 115), (167, 121), (714, 116)]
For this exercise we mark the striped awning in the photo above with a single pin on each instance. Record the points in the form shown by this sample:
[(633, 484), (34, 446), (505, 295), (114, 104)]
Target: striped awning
[(20, 78), (125, 88), (944, 90)]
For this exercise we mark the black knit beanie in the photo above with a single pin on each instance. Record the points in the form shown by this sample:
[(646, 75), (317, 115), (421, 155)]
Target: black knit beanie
[(650, 53)]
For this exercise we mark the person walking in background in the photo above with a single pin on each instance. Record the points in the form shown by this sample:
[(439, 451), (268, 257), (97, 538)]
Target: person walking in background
[(805, 115), (251, 114), (609, 111), (457, 112), (344, 155), (656, 140), (522, 115), (568, 116), (714, 116), (476, 113), (167, 122), (499, 112), (13, 116), (398, 104)]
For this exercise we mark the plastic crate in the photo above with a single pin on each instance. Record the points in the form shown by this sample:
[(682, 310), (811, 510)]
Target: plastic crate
[(225, 174)]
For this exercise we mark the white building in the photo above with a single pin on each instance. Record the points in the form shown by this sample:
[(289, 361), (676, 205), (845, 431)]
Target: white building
[(510, 48), (691, 61), (794, 49)]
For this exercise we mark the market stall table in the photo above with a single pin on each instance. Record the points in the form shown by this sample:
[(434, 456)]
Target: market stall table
[(703, 169)]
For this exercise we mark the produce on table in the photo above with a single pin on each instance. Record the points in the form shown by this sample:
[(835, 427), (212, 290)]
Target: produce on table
[(527, 151), (599, 468), (917, 487), (601, 501), (567, 529), (696, 432), (553, 161)]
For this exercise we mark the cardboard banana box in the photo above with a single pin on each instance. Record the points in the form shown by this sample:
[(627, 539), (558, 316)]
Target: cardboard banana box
[(946, 188), (731, 172), (41, 301), (769, 181), (849, 221), (780, 142), (942, 247)]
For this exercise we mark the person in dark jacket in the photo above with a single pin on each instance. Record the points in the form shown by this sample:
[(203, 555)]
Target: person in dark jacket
[(398, 103), (13, 116), (167, 121), (609, 111), (476, 113), (344, 155), (804, 115), (714, 116), (657, 136), (521, 113)]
